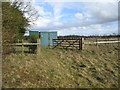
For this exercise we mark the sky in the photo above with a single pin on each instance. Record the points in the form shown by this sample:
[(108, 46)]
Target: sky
[(78, 17)]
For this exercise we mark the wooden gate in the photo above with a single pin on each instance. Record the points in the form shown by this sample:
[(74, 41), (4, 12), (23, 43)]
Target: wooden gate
[(68, 43)]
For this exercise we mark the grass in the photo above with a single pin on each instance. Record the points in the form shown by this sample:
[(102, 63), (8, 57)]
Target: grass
[(94, 67)]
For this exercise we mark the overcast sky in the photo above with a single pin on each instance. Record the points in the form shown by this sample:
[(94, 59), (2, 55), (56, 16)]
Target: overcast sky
[(78, 17)]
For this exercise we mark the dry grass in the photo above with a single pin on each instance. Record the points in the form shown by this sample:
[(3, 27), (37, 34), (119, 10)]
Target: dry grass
[(94, 67)]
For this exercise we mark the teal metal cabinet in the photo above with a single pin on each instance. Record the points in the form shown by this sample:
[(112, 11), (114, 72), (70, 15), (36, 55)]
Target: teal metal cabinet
[(46, 38), (34, 33)]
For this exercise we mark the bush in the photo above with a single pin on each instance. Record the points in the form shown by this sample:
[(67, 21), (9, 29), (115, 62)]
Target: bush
[(33, 39)]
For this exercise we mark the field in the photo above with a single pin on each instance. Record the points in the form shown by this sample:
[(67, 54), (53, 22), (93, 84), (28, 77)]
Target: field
[(93, 67)]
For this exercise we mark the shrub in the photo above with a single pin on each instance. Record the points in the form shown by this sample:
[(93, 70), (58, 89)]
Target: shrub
[(33, 39)]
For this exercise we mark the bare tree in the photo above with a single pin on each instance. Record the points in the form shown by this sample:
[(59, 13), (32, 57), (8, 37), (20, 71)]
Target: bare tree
[(26, 8)]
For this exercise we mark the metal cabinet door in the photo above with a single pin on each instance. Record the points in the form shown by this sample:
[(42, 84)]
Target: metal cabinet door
[(52, 35), (44, 39)]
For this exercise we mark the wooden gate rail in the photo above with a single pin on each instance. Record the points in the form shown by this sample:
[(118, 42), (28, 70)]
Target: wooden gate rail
[(19, 44)]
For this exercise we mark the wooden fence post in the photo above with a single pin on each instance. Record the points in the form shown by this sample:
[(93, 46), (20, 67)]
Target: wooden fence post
[(22, 47), (82, 43), (96, 42), (18, 41), (38, 46), (1, 45)]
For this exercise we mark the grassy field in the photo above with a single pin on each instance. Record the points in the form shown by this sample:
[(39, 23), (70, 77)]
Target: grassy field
[(93, 67)]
